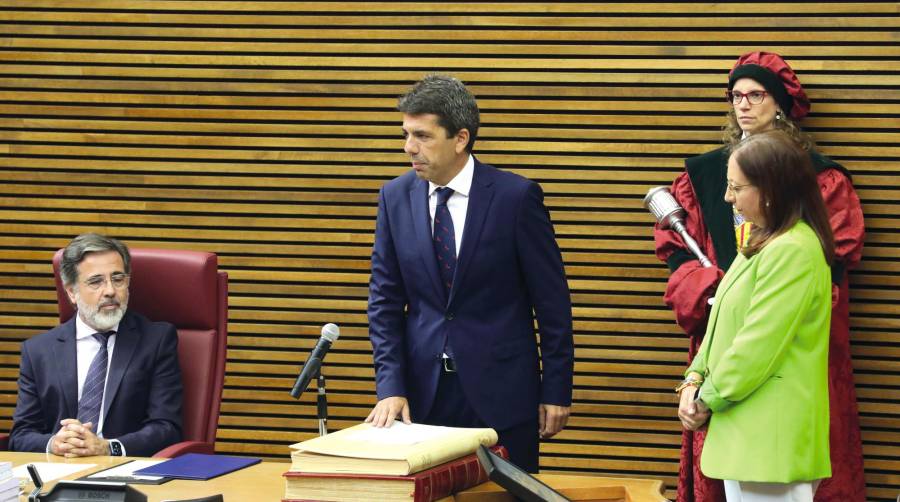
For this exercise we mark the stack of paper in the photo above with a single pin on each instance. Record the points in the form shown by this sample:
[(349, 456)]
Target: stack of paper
[(49, 471), (9, 484), (405, 462), (399, 450)]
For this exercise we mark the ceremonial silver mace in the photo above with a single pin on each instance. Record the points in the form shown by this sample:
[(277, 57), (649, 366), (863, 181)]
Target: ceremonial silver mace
[(669, 214)]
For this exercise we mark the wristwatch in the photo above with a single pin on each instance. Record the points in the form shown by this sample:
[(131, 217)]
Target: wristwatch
[(115, 448)]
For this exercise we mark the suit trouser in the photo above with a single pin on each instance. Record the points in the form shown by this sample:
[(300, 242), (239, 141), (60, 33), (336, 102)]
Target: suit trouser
[(452, 409)]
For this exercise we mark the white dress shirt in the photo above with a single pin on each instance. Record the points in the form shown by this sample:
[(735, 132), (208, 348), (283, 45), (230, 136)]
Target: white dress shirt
[(458, 203)]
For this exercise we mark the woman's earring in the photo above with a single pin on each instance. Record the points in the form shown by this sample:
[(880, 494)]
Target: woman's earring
[(778, 115), (767, 204)]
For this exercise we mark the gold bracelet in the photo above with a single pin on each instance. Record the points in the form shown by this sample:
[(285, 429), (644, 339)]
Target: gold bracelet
[(688, 382)]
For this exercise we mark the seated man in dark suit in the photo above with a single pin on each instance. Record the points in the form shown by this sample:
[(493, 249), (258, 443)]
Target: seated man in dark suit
[(69, 404)]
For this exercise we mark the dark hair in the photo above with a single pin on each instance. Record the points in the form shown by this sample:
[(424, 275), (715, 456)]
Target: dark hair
[(448, 98), (782, 172), (89, 243)]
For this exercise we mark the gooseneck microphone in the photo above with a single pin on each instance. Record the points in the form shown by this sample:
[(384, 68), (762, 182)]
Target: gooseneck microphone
[(330, 333)]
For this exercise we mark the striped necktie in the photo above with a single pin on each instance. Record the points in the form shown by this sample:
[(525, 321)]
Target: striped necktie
[(444, 239), (92, 392)]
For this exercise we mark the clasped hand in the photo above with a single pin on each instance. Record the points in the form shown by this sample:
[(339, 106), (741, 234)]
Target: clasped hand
[(76, 439), (693, 414)]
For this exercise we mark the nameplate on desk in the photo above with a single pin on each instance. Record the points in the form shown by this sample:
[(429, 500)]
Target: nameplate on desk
[(197, 466), (67, 491)]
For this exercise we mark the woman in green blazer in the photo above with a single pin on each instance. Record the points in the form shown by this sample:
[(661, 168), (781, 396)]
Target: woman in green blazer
[(761, 375)]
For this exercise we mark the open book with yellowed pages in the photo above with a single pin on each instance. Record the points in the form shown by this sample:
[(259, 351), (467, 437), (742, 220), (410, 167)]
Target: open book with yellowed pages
[(398, 450)]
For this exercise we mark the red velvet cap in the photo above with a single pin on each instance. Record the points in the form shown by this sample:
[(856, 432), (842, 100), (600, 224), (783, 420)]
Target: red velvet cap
[(773, 73)]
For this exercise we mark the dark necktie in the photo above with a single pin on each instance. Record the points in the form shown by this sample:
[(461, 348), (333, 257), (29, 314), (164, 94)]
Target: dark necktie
[(92, 392), (444, 239)]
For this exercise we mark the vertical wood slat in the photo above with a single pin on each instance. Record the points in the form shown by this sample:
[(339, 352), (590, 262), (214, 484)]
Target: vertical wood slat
[(262, 131)]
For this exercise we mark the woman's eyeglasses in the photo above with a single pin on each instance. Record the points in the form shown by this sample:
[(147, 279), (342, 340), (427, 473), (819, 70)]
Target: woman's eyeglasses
[(754, 97), (735, 189)]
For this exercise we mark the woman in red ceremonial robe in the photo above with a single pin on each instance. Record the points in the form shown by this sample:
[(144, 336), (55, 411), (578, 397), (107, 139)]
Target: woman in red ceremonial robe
[(765, 94)]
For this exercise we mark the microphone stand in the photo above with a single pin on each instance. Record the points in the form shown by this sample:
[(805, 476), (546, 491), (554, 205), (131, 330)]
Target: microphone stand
[(321, 403), (312, 369), (321, 398)]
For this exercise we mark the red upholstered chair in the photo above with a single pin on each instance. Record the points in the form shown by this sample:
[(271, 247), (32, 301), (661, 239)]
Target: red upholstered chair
[(186, 289)]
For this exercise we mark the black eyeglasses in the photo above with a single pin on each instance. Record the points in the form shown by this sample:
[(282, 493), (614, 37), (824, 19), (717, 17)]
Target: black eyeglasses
[(754, 97)]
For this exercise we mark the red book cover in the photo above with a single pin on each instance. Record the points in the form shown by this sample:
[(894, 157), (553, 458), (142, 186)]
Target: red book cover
[(431, 484)]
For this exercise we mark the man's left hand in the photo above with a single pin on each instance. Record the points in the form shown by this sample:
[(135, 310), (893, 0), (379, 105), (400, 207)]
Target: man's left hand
[(85, 443), (552, 419)]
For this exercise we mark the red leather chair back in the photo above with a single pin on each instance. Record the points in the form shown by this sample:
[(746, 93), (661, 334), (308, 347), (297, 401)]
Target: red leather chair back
[(186, 289)]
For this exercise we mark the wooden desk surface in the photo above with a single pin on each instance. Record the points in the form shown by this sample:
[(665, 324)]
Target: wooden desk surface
[(263, 483), (576, 488)]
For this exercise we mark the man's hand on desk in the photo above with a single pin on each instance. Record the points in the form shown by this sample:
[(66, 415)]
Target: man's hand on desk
[(387, 410), (552, 419), (75, 439)]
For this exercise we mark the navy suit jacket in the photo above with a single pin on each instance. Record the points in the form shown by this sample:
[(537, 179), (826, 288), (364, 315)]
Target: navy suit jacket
[(509, 270), (143, 390)]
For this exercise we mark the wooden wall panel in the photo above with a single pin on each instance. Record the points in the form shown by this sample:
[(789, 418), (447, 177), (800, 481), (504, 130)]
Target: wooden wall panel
[(263, 130)]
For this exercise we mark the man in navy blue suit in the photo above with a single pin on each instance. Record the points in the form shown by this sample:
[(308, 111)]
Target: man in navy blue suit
[(464, 260), (105, 382)]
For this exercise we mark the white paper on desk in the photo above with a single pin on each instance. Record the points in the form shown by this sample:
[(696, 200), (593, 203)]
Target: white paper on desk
[(127, 469), (50, 470), (400, 434)]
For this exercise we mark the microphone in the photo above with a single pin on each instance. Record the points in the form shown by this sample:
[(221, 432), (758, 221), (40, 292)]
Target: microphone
[(330, 333)]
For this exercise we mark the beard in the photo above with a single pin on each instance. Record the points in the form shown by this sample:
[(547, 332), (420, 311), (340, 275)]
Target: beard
[(101, 320)]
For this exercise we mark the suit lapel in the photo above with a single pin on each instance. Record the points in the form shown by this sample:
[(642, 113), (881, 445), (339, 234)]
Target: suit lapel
[(67, 357), (738, 267), (480, 196), (743, 264), (127, 339), (418, 205)]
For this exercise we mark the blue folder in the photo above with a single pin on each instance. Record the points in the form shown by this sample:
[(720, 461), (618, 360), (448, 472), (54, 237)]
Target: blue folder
[(197, 466)]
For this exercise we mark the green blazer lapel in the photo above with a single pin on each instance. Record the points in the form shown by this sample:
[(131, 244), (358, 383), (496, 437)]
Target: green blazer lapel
[(738, 267)]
